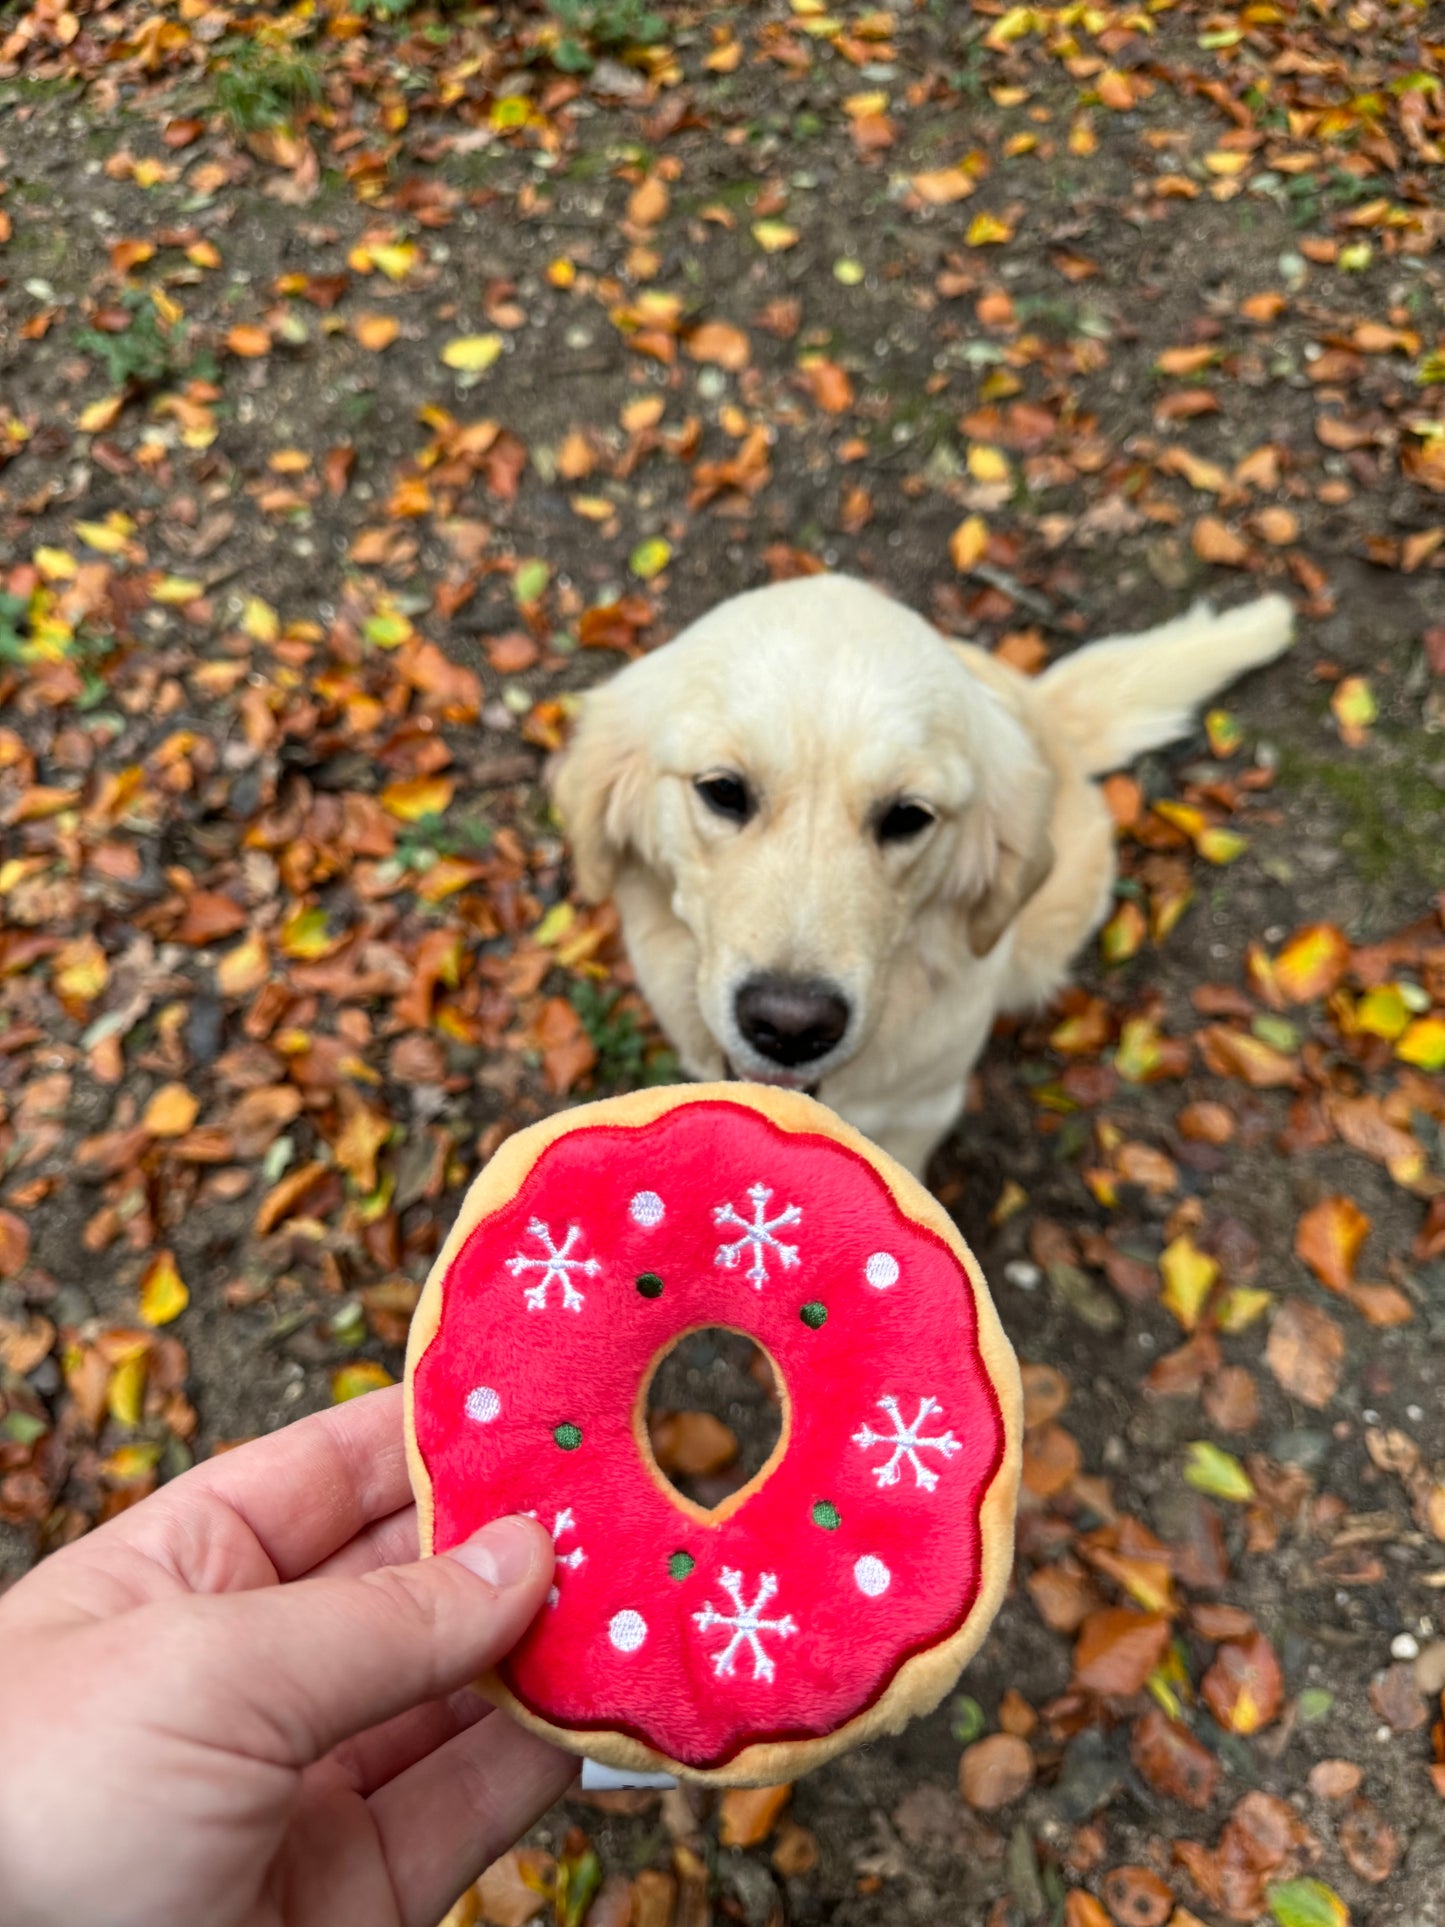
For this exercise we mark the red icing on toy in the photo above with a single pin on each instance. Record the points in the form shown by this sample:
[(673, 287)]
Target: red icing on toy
[(783, 1627)]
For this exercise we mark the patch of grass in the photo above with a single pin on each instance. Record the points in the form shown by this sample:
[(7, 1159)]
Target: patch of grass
[(265, 86), (1389, 808), (625, 1059), (421, 843), (590, 27), (143, 355)]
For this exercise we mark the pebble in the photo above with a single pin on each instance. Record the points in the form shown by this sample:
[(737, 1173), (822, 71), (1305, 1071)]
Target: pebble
[(1023, 1275), (1404, 1646), (1430, 1669)]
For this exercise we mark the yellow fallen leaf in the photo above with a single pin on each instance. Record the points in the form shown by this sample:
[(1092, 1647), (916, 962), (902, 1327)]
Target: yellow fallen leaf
[(472, 354), (1226, 163), (1220, 1474), (125, 1394), (80, 971), (986, 464), (97, 416), (245, 968), (415, 797), (986, 230), (352, 1381), (969, 543), (650, 558), (260, 620), (1383, 1012), (1423, 1044), (163, 1294), (1354, 709), (109, 536), (774, 236), (175, 591), (1189, 1276), (943, 186), (395, 259)]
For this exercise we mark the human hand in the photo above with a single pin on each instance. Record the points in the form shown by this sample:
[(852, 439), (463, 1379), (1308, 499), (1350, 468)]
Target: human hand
[(236, 1704)]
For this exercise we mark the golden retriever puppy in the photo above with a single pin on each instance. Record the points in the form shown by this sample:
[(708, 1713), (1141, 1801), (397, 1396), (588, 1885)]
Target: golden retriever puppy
[(841, 845)]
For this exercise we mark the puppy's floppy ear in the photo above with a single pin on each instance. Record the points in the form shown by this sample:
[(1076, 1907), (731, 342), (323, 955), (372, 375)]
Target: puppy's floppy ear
[(1007, 852), (601, 785)]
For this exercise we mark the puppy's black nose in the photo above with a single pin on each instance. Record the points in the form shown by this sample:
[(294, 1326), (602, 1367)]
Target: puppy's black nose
[(791, 1020)]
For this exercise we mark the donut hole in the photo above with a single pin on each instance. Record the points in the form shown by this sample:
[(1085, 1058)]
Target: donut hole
[(714, 1414)]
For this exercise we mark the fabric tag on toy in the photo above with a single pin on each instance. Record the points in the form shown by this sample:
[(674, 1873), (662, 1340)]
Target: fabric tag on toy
[(597, 1778)]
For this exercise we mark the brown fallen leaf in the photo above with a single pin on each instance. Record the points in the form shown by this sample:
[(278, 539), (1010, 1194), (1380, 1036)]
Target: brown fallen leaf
[(1369, 1842), (1334, 1779), (14, 1244), (995, 1771), (1397, 1699), (795, 1852), (1214, 541), (516, 1888), (1173, 1761), (1118, 1649), (1051, 1460), (1244, 1688), (694, 1444), (1306, 1352), (721, 344), (1136, 1897)]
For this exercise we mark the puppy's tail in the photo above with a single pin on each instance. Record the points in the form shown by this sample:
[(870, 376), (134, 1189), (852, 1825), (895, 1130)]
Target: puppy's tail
[(1115, 699)]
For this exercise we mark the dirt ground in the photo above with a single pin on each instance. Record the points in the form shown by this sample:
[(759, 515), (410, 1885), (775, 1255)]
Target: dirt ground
[(373, 382)]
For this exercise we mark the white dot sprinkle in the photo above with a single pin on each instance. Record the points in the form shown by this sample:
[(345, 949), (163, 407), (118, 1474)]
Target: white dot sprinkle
[(646, 1209), (483, 1405), (872, 1576), (627, 1631), (881, 1270)]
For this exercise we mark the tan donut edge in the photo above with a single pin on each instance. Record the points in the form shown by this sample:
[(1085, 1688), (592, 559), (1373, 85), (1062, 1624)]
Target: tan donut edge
[(920, 1682)]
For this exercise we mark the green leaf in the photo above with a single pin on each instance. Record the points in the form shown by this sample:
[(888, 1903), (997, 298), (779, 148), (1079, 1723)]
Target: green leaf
[(1307, 1903), (23, 1427), (650, 558), (530, 581), (1314, 1704), (1218, 1473), (966, 1718)]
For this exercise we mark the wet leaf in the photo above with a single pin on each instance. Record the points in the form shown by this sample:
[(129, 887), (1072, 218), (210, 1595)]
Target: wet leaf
[(775, 237), (1306, 1352), (171, 1112), (1354, 707), (969, 543), (1369, 1842), (14, 1250), (418, 797), (1312, 963), (721, 344)]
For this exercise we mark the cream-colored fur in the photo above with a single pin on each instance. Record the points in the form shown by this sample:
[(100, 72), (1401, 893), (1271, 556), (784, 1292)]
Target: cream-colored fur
[(831, 700)]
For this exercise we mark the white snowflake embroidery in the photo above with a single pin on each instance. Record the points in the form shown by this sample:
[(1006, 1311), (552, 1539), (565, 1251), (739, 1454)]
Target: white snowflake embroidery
[(747, 1624), (757, 1237), (907, 1442), (556, 1264), (562, 1522)]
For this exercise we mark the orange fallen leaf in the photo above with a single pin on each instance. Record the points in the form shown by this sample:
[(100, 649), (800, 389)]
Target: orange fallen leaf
[(1118, 1649), (376, 331), (1213, 541), (1244, 1688), (1306, 1352), (163, 1293), (747, 1815), (994, 1772), (248, 341), (1312, 963), (1328, 1238), (721, 344), (829, 384)]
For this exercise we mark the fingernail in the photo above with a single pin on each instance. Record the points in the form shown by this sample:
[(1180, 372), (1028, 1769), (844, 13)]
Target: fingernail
[(502, 1553)]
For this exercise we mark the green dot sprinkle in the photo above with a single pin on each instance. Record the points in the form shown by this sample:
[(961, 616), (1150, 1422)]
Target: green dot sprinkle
[(680, 1564), (814, 1316), (569, 1437), (827, 1515), (650, 1285)]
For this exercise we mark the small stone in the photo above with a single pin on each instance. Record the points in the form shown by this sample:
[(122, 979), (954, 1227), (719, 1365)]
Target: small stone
[(1430, 1669), (1022, 1275), (1404, 1646)]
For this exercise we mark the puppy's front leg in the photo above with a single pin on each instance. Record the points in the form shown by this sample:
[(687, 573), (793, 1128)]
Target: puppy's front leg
[(910, 1131)]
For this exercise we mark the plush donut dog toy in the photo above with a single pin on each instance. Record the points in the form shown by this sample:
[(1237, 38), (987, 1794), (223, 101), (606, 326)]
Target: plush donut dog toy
[(842, 1589)]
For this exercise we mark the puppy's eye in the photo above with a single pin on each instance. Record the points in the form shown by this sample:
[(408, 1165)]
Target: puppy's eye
[(726, 795), (903, 821)]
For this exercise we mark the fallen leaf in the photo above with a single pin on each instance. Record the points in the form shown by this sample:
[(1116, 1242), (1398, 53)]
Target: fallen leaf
[(994, 1772), (747, 1815), (1118, 1649), (248, 341), (721, 344), (163, 1293), (1307, 1903), (1354, 708), (969, 543), (941, 187), (14, 1248), (1136, 1897), (415, 798), (353, 1381), (171, 1112), (1306, 1352), (1173, 1761), (376, 331), (774, 237), (694, 1444), (650, 558), (1213, 541), (1328, 1238), (1189, 1276), (1334, 1779), (1312, 963), (1369, 1842), (1219, 1473), (829, 384), (1396, 1697), (1244, 1688), (472, 354), (986, 230)]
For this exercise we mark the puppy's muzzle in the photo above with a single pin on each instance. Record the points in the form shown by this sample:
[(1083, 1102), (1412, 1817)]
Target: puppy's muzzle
[(791, 1021)]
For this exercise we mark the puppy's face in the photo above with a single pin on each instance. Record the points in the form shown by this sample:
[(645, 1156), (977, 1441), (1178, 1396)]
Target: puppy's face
[(815, 780)]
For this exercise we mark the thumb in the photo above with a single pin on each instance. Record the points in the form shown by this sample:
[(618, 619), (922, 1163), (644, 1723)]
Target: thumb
[(322, 1659)]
